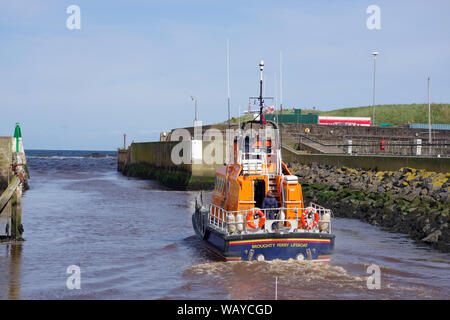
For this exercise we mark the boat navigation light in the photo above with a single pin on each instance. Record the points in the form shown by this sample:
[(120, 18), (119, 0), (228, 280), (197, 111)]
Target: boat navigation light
[(261, 65)]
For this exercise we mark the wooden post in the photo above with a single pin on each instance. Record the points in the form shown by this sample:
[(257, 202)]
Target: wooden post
[(16, 200), (14, 226), (16, 215), (7, 215), (9, 192)]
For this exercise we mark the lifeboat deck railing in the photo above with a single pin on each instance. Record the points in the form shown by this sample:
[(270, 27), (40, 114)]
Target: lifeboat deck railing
[(226, 221)]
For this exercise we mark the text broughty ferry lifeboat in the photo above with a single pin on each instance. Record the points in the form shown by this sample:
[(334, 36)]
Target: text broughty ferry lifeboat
[(258, 211)]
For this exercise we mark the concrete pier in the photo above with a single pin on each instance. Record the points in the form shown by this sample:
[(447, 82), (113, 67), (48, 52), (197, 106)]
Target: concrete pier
[(372, 162), (154, 160), (13, 176)]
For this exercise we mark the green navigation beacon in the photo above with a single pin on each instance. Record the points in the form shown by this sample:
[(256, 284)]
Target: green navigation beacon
[(17, 135)]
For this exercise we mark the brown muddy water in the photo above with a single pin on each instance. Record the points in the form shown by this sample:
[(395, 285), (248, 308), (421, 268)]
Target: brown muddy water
[(133, 239)]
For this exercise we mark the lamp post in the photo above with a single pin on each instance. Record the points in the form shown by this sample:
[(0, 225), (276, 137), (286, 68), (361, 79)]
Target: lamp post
[(281, 100), (195, 100), (375, 53), (429, 115), (228, 84)]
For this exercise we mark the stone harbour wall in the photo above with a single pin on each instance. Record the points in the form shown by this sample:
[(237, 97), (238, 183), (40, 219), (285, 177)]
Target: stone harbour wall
[(411, 201), (153, 160)]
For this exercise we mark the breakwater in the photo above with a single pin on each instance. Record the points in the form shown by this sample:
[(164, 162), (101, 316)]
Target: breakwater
[(158, 161), (368, 162), (13, 181), (411, 201), (399, 141)]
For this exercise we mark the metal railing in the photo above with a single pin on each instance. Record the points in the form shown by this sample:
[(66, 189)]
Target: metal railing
[(221, 220), (394, 145)]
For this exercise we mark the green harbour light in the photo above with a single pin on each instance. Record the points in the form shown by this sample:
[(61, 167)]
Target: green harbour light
[(17, 135)]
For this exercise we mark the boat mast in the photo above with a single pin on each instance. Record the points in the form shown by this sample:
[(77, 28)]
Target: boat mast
[(228, 83), (281, 102), (228, 99), (261, 101)]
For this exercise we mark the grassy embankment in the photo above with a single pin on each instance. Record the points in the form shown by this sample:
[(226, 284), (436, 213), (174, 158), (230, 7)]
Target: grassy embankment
[(395, 114)]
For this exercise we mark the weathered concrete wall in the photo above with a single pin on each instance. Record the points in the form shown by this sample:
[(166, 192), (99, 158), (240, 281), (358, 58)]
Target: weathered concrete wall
[(13, 176), (6, 144), (332, 131), (155, 153), (373, 162), (324, 132), (122, 155), (366, 140), (6, 174), (153, 160)]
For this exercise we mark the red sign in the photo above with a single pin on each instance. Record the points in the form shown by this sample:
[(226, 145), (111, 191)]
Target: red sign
[(351, 121)]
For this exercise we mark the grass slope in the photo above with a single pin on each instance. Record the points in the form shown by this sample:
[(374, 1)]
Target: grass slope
[(397, 113)]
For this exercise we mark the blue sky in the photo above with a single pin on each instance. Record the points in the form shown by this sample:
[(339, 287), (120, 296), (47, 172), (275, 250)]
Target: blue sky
[(134, 64)]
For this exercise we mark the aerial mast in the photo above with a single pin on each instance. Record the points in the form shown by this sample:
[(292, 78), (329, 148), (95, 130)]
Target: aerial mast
[(281, 100), (228, 83), (261, 101)]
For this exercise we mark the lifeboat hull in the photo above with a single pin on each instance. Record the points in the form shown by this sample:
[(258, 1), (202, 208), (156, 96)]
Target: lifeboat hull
[(316, 247)]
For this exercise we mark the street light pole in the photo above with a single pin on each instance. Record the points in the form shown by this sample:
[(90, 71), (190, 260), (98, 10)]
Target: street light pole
[(228, 84), (429, 114), (195, 100), (375, 53), (281, 101)]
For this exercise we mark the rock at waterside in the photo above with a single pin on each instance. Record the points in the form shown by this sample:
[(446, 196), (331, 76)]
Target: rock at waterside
[(433, 237), (410, 196), (416, 202)]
